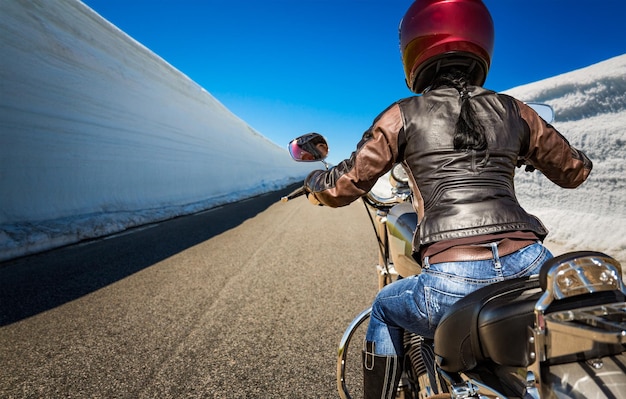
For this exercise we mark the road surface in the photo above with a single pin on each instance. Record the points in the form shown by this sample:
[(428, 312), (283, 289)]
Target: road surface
[(245, 301)]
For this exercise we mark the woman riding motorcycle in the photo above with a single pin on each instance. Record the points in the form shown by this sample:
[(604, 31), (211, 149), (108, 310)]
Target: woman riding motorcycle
[(460, 145)]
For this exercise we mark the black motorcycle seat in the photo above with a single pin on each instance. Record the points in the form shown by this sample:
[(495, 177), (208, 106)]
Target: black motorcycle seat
[(492, 323), (487, 324)]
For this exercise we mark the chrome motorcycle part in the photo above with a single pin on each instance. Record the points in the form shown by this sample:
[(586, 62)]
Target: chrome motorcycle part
[(386, 275), (422, 373), (382, 195), (579, 333), (399, 174), (545, 111), (464, 390), (530, 388), (580, 330), (579, 273), (342, 352), (580, 380)]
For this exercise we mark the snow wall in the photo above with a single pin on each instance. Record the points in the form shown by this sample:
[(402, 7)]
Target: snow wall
[(99, 134), (590, 109)]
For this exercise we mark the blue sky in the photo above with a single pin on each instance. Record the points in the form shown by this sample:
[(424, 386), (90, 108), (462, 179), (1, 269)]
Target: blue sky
[(288, 67)]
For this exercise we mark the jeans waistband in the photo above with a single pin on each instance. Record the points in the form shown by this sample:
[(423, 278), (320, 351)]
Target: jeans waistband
[(464, 253)]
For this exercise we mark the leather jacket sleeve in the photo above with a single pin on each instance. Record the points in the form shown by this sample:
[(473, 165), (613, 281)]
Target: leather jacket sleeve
[(352, 178), (551, 153)]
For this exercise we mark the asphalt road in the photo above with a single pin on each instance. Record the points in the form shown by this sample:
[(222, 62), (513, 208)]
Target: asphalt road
[(248, 300), (245, 301)]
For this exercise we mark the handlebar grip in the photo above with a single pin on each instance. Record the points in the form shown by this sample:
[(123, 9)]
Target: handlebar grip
[(294, 194)]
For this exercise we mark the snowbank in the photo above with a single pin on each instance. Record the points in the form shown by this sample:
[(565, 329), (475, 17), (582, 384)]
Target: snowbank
[(98, 134), (590, 107)]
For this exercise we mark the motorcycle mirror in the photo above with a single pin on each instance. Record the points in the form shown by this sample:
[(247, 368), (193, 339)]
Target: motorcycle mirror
[(310, 147), (544, 110)]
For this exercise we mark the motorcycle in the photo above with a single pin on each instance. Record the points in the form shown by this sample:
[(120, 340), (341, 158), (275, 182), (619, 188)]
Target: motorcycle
[(559, 334)]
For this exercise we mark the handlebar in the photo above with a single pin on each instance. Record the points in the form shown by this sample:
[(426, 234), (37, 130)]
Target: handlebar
[(294, 194)]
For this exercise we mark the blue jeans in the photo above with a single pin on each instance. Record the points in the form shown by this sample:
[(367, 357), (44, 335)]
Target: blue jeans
[(417, 303)]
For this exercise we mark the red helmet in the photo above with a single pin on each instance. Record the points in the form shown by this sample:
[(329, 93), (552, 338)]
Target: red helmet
[(438, 33)]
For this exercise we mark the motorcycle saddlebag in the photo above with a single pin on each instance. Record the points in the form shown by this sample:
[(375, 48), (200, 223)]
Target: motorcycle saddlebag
[(492, 324)]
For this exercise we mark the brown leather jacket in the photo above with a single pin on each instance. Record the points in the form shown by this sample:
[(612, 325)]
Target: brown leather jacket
[(458, 194)]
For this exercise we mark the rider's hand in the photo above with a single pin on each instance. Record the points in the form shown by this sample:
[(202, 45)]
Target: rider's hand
[(312, 199)]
